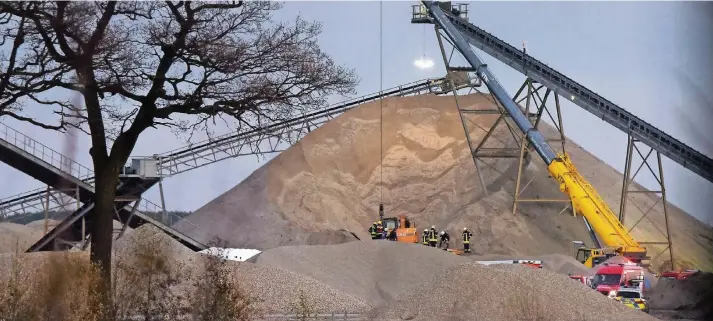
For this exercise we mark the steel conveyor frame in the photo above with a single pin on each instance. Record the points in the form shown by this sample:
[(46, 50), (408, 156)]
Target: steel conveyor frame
[(582, 194), (583, 97)]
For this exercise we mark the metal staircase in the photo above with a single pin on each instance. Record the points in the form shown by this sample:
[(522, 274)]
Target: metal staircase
[(69, 178)]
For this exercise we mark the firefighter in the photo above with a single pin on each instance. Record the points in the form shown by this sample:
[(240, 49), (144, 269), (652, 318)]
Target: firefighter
[(424, 237), (467, 235), (432, 236), (379, 230), (372, 231), (445, 240), (392, 235)]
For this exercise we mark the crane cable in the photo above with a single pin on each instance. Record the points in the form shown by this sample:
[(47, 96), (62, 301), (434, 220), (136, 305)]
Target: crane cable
[(381, 110)]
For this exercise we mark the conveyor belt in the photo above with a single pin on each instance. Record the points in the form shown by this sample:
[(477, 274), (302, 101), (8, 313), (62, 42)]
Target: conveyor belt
[(587, 99)]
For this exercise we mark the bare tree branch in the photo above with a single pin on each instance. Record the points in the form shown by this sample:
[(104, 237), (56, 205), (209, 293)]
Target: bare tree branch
[(148, 64)]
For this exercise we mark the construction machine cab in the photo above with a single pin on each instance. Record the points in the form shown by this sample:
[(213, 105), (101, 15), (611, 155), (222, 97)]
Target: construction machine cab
[(397, 222), (405, 229), (591, 257)]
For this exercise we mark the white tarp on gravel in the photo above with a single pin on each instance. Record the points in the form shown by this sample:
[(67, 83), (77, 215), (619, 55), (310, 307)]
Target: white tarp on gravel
[(232, 254)]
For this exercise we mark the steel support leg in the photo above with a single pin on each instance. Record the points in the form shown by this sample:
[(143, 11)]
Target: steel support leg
[(460, 77), (131, 215), (47, 210), (535, 107), (163, 203), (627, 189), (84, 221)]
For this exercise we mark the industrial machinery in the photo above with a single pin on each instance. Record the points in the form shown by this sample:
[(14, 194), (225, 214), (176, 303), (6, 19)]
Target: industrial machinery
[(405, 229), (590, 257), (612, 235)]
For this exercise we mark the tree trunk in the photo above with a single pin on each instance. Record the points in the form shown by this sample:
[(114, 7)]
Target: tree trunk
[(102, 226)]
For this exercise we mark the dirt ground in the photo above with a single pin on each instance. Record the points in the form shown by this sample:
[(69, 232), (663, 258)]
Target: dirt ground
[(330, 181)]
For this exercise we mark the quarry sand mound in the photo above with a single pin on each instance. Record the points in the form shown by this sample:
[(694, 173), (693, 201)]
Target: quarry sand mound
[(20, 237), (17, 237), (330, 181), (277, 289), (472, 291), (694, 293), (374, 271)]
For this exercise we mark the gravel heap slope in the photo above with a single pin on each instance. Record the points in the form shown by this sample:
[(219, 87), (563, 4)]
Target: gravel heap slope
[(276, 288), (472, 291), (374, 271), (330, 181), (17, 237), (694, 294)]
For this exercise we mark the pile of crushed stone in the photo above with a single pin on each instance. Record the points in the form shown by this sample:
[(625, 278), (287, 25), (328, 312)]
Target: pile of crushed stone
[(472, 291), (375, 271), (694, 294), (18, 237), (276, 289)]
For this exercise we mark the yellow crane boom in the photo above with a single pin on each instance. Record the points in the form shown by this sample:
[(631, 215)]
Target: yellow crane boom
[(589, 204), (585, 199)]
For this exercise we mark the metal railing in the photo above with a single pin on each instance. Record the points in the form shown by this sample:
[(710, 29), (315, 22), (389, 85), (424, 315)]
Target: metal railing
[(41, 199), (43, 153)]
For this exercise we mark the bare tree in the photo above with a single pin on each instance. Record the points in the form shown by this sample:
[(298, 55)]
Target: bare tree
[(148, 64)]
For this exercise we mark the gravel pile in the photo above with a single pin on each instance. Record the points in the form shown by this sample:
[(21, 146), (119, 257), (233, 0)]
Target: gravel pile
[(695, 293), (275, 288), (17, 237), (375, 271), (505, 292), (278, 289)]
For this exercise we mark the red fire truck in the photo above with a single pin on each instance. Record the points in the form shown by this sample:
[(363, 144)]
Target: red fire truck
[(611, 277)]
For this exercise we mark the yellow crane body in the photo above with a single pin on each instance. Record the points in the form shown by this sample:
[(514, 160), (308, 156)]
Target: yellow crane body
[(587, 202)]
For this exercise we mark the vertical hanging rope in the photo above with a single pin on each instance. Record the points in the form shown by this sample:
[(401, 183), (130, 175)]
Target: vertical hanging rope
[(423, 41), (381, 110)]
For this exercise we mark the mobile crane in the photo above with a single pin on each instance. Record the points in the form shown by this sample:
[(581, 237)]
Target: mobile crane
[(613, 238)]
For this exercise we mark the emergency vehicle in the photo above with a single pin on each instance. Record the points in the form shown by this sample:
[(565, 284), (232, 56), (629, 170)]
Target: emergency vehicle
[(611, 277), (537, 264)]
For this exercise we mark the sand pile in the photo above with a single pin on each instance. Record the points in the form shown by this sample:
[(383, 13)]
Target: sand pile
[(375, 271), (330, 181), (695, 293), (22, 236), (276, 288), (17, 236), (475, 292)]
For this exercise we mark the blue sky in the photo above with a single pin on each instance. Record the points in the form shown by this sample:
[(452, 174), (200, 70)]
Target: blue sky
[(648, 57)]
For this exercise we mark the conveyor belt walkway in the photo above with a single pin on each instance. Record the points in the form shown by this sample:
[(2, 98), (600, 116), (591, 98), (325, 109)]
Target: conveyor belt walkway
[(73, 179)]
